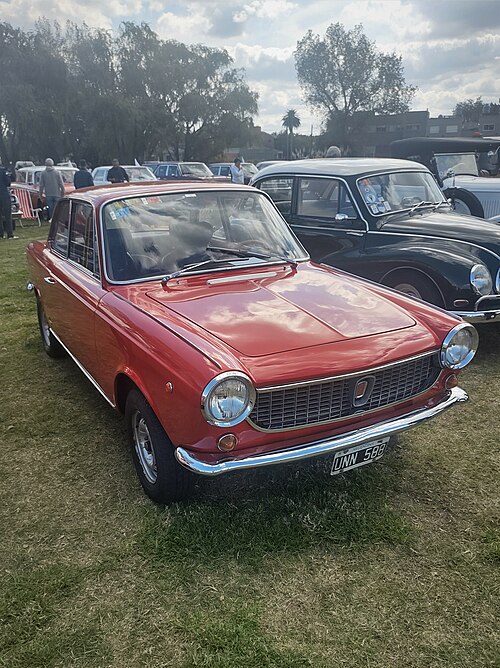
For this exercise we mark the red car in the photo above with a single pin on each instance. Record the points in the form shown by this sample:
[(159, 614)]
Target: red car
[(197, 314)]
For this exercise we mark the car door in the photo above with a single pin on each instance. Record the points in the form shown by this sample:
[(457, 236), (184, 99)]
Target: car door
[(322, 214), (75, 288)]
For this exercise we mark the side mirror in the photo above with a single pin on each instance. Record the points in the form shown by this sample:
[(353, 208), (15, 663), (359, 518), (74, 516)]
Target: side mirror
[(450, 174)]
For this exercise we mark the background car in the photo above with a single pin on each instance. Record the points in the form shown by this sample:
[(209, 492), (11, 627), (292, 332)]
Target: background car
[(182, 170), (135, 173), (388, 221), (15, 207), (28, 178), (194, 310), (463, 167), (223, 169)]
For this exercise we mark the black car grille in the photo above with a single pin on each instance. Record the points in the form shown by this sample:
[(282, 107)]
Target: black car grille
[(316, 402)]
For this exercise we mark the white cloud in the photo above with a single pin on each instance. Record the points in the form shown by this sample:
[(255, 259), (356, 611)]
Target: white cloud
[(264, 9)]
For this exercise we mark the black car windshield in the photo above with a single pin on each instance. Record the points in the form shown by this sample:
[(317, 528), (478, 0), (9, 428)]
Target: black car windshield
[(398, 191), (156, 235), (195, 169)]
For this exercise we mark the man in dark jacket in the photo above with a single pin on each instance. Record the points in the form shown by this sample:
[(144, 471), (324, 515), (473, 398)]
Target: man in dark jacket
[(83, 178), (117, 174), (5, 205)]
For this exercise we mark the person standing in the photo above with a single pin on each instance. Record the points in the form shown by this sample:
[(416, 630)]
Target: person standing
[(51, 183), (5, 205), (237, 175), (83, 178), (117, 174)]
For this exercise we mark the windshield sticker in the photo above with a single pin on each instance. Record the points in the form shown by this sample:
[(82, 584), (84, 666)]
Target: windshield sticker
[(374, 208), (370, 197), (153, 200), (381, 207), (112, 214)]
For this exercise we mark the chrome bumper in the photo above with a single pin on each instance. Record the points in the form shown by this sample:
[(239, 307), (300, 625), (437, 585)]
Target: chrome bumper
[(325, 446), (478, 316)]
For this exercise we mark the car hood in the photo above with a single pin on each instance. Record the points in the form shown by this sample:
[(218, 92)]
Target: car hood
[(473, 183), (448, 225), (279, 308)]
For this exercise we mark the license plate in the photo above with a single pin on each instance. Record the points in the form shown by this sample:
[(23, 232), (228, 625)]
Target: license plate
[(359, 455)]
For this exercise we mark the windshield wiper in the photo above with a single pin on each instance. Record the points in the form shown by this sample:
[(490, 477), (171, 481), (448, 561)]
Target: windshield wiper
[(420, 204), (250, 253), (192, 267)]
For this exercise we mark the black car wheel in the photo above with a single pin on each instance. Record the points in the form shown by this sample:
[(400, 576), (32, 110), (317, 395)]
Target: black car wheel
[(164, 480), (50, 344), (464, 201), (416, 285)]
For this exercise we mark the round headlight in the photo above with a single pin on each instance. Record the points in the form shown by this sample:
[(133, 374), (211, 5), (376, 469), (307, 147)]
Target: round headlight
[(459, 346), (480, 279), (497, 281), (228, 399)]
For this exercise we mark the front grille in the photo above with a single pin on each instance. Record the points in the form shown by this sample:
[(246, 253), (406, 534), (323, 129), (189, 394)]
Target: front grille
[(324, 401)]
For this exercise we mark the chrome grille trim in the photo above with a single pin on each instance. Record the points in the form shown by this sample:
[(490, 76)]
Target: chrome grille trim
[(323, 401)]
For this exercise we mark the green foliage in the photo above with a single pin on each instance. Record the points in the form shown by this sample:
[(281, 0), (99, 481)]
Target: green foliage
[(344, 72), (82, 92), (469, 110)]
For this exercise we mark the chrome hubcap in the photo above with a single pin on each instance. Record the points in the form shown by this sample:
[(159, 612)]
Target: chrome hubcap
[(144, 447), (408, 289), (45, 328)]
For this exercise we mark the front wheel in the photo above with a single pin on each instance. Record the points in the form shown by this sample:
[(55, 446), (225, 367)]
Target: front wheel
[(50, 344), (163, 479), (464, 201), (415, 285)]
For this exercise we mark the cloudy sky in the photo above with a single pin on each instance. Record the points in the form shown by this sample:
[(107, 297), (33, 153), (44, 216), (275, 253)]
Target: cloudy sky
[(450, 48)]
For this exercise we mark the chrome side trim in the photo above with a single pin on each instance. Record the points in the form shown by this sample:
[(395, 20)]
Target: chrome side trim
[(479, 316), (83, 370), (322, 447), (362, 372)]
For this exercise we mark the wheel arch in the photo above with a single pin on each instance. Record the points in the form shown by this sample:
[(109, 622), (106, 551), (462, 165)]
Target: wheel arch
[(473, 202), (404, 270), (124, 383)]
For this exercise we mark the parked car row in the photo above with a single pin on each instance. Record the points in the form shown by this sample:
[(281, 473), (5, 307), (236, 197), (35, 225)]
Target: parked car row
[(196, 312)]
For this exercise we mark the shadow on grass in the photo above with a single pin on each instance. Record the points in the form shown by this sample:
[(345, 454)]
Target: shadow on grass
[(273, 512)]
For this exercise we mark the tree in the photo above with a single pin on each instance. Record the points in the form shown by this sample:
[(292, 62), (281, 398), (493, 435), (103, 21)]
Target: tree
[(290, 121), (344, 72), (469, 110)]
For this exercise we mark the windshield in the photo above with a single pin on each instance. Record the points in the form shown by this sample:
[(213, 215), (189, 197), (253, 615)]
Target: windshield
[(67, 175), (388, 193), (458, 163), (195, 168), (140, 174), (155, 235), (249, 169)]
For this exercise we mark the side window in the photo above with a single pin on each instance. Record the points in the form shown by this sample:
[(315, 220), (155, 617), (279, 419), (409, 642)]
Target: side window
[(59, 232), (161, 172), (81, 242), (280, 191), (326, 198), (224, 171), (172, 170)]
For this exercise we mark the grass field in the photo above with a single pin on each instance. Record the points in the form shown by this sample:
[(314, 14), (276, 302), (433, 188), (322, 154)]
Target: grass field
[(393, 566)]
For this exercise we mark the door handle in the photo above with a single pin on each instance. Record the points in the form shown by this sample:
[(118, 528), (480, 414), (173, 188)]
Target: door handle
[(49, 280), (355, 234)]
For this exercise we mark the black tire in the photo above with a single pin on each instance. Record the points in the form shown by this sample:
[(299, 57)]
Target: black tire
[(163, 479), (415, 285), (464, 201), (50, 344)]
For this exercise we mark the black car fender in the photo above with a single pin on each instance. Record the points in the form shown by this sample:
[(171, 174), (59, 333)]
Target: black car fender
[(448, 269)]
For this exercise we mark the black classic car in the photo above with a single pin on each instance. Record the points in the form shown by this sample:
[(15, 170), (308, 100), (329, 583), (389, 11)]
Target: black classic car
[(388, 221)]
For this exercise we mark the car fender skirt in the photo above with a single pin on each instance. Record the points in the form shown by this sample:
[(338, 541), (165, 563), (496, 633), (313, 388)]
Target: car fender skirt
[(325, 446)]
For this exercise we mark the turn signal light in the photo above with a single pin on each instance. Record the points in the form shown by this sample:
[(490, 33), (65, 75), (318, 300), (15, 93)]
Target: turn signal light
[(227, 443), (451, 382)]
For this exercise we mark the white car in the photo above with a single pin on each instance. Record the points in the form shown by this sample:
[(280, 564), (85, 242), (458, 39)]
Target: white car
[(463, 167), (134, 172)]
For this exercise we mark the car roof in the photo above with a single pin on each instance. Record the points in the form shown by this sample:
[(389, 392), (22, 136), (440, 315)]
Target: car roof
[(124, 167), (339, 166), (37, 167), (98, 195), (417, 145)]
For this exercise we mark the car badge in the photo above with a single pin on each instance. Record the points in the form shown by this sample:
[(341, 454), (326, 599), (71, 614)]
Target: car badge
[(362, 391)]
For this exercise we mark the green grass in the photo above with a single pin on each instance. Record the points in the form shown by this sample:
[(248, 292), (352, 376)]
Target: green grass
[(393, 566)]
